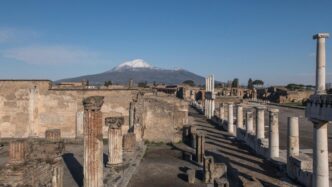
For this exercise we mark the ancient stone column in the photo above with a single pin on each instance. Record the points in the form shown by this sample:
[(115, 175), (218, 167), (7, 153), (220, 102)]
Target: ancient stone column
[(273, 133), (17, 151), (320, 154), (239, 117), (260, 124), (53, 135), (250, 122), (221, 112), (230, 126), (293, 144), (93, 142), (114, 140), (320, 62), (57, 173), (131, 117), (200, 150)]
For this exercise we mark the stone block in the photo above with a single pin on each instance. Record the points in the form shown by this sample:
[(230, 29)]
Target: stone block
[(53, 135), (191, 174), (221, 182), (129, 142)]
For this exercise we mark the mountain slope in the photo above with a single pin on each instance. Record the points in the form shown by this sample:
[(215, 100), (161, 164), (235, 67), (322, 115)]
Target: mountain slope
[(140, 71)]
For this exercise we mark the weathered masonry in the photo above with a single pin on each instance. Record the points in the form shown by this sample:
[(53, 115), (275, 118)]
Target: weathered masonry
[(30, 107)]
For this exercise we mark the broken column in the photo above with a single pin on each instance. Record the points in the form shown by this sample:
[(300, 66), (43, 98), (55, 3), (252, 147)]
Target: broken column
[(320, 62), (129, 142), (114, 140), (57, 172), (93, 142), (239, 117), (293, 144), (200, 150), (17, 151), (193, 135), (260, 123), (230, 126), (250, 122), (273, 133)]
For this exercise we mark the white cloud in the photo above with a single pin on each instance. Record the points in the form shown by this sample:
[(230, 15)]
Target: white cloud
[(57, 54)]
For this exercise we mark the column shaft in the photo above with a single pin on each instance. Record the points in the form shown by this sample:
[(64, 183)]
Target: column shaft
[(293, 144), (274, 133), (239, 117), (230, 126), (250, 122), (93, 142), (320, 155), (260, 123)]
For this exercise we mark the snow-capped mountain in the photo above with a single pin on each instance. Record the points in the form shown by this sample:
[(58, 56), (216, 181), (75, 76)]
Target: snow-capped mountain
[(140, 71), (134, 64)]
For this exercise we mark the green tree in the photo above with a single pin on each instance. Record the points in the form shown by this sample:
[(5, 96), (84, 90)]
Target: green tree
[(258, 82), (108, 83), (189, 82), (250, 84), (235, 83)]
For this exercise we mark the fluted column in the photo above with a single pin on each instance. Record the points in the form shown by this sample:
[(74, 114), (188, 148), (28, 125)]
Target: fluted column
[(93, 142), (114, 140), (239, 117), (274, 133), (230, 126), (260, 123), (250, 122)]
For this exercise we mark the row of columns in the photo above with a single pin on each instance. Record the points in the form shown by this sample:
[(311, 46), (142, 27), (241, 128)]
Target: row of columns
[(260, 124), (93, 140)]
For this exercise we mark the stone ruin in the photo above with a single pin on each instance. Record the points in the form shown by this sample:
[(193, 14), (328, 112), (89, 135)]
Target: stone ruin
[(34, 162)]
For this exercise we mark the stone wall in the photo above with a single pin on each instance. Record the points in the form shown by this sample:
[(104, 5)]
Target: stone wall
[(29, 108), (163, 118)]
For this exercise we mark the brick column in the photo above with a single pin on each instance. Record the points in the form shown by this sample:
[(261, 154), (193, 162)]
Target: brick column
[(93, 142), (114, 140)]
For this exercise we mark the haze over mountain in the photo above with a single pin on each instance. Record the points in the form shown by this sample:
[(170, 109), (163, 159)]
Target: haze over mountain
[(139, 71)]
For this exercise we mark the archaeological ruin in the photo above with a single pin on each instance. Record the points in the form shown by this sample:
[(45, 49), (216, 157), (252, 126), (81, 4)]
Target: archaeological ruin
[(73, 134)]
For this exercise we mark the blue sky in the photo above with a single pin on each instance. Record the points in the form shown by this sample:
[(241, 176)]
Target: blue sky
[(268, 40)]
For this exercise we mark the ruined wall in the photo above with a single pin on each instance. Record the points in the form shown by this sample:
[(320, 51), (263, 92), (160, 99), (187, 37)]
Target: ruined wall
[(29, 108), (163, 118)]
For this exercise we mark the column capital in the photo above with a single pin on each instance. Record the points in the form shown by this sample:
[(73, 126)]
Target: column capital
[(114, 122), (274, 110), (321, 35), (260, 107), (93, 103)]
